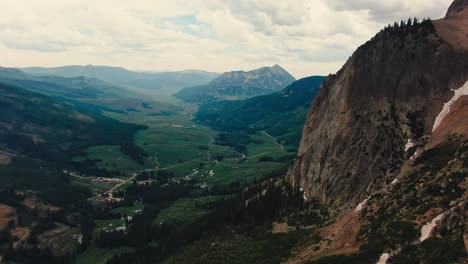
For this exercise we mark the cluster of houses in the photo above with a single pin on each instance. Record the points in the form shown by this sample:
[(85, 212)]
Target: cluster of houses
[(79, 238), (126, 220)]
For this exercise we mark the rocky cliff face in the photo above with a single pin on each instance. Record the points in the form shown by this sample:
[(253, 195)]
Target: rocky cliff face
[(386, 144), (456, 7), (370, 117)]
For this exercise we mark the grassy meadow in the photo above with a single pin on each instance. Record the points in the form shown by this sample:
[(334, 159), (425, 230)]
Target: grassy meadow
[(177, 144)]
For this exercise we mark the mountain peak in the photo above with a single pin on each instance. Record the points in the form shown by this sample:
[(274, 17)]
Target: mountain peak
[(276, 66), (278, 69), (456, 6), (236, 85)]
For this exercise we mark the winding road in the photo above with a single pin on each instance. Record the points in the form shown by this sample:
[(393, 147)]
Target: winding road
[(116, 186), (122, 182)]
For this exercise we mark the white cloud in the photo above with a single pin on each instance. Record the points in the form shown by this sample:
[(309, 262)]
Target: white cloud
[(307, 37), (388, 11)]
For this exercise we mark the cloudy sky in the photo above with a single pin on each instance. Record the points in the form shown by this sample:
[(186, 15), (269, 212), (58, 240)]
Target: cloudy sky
[(306, 37)]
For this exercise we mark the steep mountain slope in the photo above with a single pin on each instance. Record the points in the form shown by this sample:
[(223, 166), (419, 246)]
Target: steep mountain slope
[(238, 85), (42, 206), (34, 125), (389, 131), (456, 7), (280, 114), (387, 94), (171, 81)]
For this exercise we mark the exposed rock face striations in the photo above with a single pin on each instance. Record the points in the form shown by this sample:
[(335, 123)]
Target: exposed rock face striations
[(389, 92)]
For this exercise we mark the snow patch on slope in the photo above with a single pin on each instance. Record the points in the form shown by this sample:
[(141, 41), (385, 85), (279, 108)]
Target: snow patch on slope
[(361, 205), (383, 258), (304, 197), (427, 229), (446, 109), (409, 144)]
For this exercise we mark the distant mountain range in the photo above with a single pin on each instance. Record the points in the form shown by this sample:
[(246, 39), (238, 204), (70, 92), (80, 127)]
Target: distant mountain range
[(169, 82), (281, 114), (74, 87), (84, 91), (237, 85)]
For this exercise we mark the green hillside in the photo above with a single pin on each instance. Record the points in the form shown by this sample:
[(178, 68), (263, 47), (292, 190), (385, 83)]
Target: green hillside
[(37, 126), (281, 114)]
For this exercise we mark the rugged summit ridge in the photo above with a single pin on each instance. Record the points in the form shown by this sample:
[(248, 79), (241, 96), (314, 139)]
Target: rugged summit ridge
[(364, 123), (456, 7), (239, 85)]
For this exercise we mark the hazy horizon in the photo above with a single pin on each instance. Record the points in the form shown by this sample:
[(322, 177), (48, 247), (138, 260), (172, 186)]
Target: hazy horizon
[(304, 37)]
